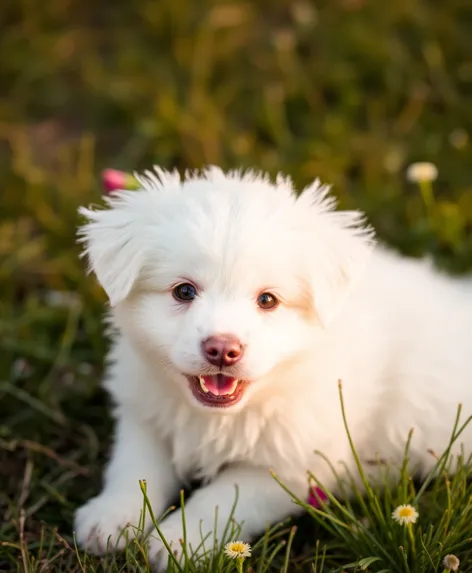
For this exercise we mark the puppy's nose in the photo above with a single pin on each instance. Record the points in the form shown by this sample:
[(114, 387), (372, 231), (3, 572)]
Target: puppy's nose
[(222, 350)]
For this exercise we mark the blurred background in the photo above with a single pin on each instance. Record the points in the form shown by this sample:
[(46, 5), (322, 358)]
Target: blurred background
[(351, 91)]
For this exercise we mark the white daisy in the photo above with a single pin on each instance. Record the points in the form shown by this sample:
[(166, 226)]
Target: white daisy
[(237, 549), (405, 514), (451, 562), (423, 171)]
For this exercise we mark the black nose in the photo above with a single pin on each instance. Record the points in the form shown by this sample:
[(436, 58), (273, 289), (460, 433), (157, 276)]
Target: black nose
[(222, 350)]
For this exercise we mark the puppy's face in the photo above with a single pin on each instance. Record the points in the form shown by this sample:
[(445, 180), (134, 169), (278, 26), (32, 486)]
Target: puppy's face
[(225, 306), (224, 278)]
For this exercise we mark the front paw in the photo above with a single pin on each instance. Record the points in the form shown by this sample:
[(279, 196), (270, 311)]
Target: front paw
[(107, 522)]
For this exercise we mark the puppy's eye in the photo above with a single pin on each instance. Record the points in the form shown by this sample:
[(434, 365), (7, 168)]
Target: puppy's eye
[(267, 301), (184, 292)]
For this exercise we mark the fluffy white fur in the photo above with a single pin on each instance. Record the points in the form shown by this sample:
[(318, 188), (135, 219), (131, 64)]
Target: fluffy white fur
[(395, 332)]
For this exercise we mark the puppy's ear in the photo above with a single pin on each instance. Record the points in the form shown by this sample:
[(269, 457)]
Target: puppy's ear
[(112, 246), (341, 246)]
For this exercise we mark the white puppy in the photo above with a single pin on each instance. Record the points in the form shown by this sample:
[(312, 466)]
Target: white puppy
[(238, 307)]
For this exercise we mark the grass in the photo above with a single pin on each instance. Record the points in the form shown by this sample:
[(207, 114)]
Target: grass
[(348, 90)]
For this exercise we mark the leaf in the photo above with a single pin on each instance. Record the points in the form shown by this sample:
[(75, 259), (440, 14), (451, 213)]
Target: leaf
[(364, 563)]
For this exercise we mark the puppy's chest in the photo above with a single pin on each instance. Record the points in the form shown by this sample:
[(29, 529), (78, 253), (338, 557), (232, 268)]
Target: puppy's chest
[(201, 446)]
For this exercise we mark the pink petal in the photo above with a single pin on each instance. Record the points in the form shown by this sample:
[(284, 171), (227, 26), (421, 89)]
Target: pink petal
[(316, 497), (112, 179)]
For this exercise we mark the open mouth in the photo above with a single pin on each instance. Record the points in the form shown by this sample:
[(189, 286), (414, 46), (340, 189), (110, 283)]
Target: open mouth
[(217, 390)]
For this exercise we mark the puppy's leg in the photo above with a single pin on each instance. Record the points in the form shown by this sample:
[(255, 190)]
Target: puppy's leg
[(261, 501), (137, 454)]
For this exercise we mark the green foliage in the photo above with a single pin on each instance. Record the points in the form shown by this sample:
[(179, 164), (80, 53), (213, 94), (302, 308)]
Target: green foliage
[(367, 532), (351, 91)]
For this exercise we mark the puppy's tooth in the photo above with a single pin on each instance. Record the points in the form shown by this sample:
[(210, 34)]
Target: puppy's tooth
[(202, 385), (233, 387)]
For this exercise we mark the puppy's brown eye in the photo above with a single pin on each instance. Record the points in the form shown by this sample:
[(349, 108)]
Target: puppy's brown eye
[(185, 292), (267, 301)]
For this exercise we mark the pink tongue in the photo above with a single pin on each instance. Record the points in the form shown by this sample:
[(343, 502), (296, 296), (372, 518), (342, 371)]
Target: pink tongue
[(219, 384)]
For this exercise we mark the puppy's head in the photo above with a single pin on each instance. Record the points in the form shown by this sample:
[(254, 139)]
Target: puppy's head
[(222, 278)]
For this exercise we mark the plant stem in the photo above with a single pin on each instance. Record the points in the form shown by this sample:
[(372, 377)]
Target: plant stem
[(426, 190)]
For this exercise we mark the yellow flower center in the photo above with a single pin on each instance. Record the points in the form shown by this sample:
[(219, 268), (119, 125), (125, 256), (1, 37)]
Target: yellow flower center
[(406, 512), (237, 547)]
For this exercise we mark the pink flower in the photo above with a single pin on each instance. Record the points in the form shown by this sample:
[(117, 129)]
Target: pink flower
[(114, 180), (316, 497)]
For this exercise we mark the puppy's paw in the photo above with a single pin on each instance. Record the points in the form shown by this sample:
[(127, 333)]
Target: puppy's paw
[(172, 530), (107, 522)]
